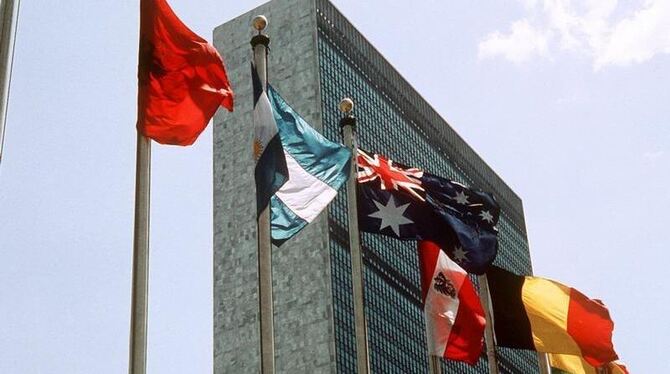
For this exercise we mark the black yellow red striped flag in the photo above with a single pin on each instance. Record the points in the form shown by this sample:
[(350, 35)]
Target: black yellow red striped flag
[(547, 316)]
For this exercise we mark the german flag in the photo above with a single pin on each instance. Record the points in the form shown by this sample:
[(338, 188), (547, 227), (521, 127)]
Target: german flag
[(546, 316)]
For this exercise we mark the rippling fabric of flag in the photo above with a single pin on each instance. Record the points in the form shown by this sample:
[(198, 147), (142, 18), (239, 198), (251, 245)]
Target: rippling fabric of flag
[(455, 318), (181, 78), (409, 204), (546, 316), (271, 171), (317, 168)]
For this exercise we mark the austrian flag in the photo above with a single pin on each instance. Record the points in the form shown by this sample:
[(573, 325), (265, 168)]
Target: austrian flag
[(455, 319)]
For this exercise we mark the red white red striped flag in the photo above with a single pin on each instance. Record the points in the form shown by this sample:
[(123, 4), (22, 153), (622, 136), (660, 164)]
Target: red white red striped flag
[(454, 316)]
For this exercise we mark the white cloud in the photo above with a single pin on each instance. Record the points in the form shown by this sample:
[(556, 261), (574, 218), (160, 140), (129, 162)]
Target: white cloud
[(652, 156), (599, 29), (638, 38), (509, 46)]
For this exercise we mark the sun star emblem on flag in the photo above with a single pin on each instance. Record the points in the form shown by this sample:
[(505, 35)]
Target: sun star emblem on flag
[(258, 149), (391, 177)]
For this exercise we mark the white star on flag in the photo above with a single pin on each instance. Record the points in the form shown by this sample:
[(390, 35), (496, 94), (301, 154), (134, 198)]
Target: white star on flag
[(461, 198), (486, 216), (460, 255), (391, 215)]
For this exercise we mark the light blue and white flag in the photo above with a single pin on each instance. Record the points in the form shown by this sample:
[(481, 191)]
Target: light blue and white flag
[(317, 168), (270, 172)]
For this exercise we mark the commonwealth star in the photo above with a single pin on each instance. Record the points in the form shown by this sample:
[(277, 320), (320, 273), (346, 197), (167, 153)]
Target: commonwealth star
[(391, 215)]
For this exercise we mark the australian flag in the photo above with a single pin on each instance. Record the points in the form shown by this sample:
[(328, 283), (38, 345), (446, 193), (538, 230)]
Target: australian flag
[(410, 204)]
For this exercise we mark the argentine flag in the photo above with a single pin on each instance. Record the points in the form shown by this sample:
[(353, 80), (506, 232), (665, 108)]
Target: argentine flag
[(317, 168), (271, 171)]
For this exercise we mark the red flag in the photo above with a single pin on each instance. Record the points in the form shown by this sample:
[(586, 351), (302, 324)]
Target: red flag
[(181, 78), (455, 319)]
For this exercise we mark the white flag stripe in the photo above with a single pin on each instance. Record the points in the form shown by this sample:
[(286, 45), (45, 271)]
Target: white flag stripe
[(266, 127), (303, 193), (440, 309)]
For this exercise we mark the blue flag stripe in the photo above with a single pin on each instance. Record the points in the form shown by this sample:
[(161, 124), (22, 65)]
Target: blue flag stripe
[(285, 223), (319, 156), (317, 169)]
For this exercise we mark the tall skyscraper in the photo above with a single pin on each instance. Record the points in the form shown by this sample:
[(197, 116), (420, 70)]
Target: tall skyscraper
[(317, 57)]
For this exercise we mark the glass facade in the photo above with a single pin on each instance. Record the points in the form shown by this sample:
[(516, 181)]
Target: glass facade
[(392, 286)]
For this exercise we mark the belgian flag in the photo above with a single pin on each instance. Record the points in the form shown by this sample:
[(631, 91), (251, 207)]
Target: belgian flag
[(547, 316)]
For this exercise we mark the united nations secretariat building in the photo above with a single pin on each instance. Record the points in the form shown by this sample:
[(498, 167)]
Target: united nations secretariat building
[(316, 58)]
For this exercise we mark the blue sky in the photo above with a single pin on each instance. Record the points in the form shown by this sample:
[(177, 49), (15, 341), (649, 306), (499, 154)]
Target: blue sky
[(567, 101)]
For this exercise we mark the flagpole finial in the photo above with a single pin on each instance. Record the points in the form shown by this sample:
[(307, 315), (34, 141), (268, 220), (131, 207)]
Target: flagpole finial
[(259, 23), (346, 106)]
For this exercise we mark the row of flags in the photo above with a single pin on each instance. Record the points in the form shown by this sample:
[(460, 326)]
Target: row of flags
[(182, 82), (456, 233)]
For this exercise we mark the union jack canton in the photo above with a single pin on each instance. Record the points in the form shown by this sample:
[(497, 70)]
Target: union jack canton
[(409, 204)]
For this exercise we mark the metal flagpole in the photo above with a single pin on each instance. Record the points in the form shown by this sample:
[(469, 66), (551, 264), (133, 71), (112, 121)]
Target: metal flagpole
[(9, 10), (435, 364), (348, 125), (140, 293), (260, 44), (489, 337), (543, 362)]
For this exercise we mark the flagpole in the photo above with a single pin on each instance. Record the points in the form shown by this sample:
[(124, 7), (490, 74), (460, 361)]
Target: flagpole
[(260, 44), (140, 297), (543, 362), (9, 15), (348, 125), (435, 364), (489, 337)]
